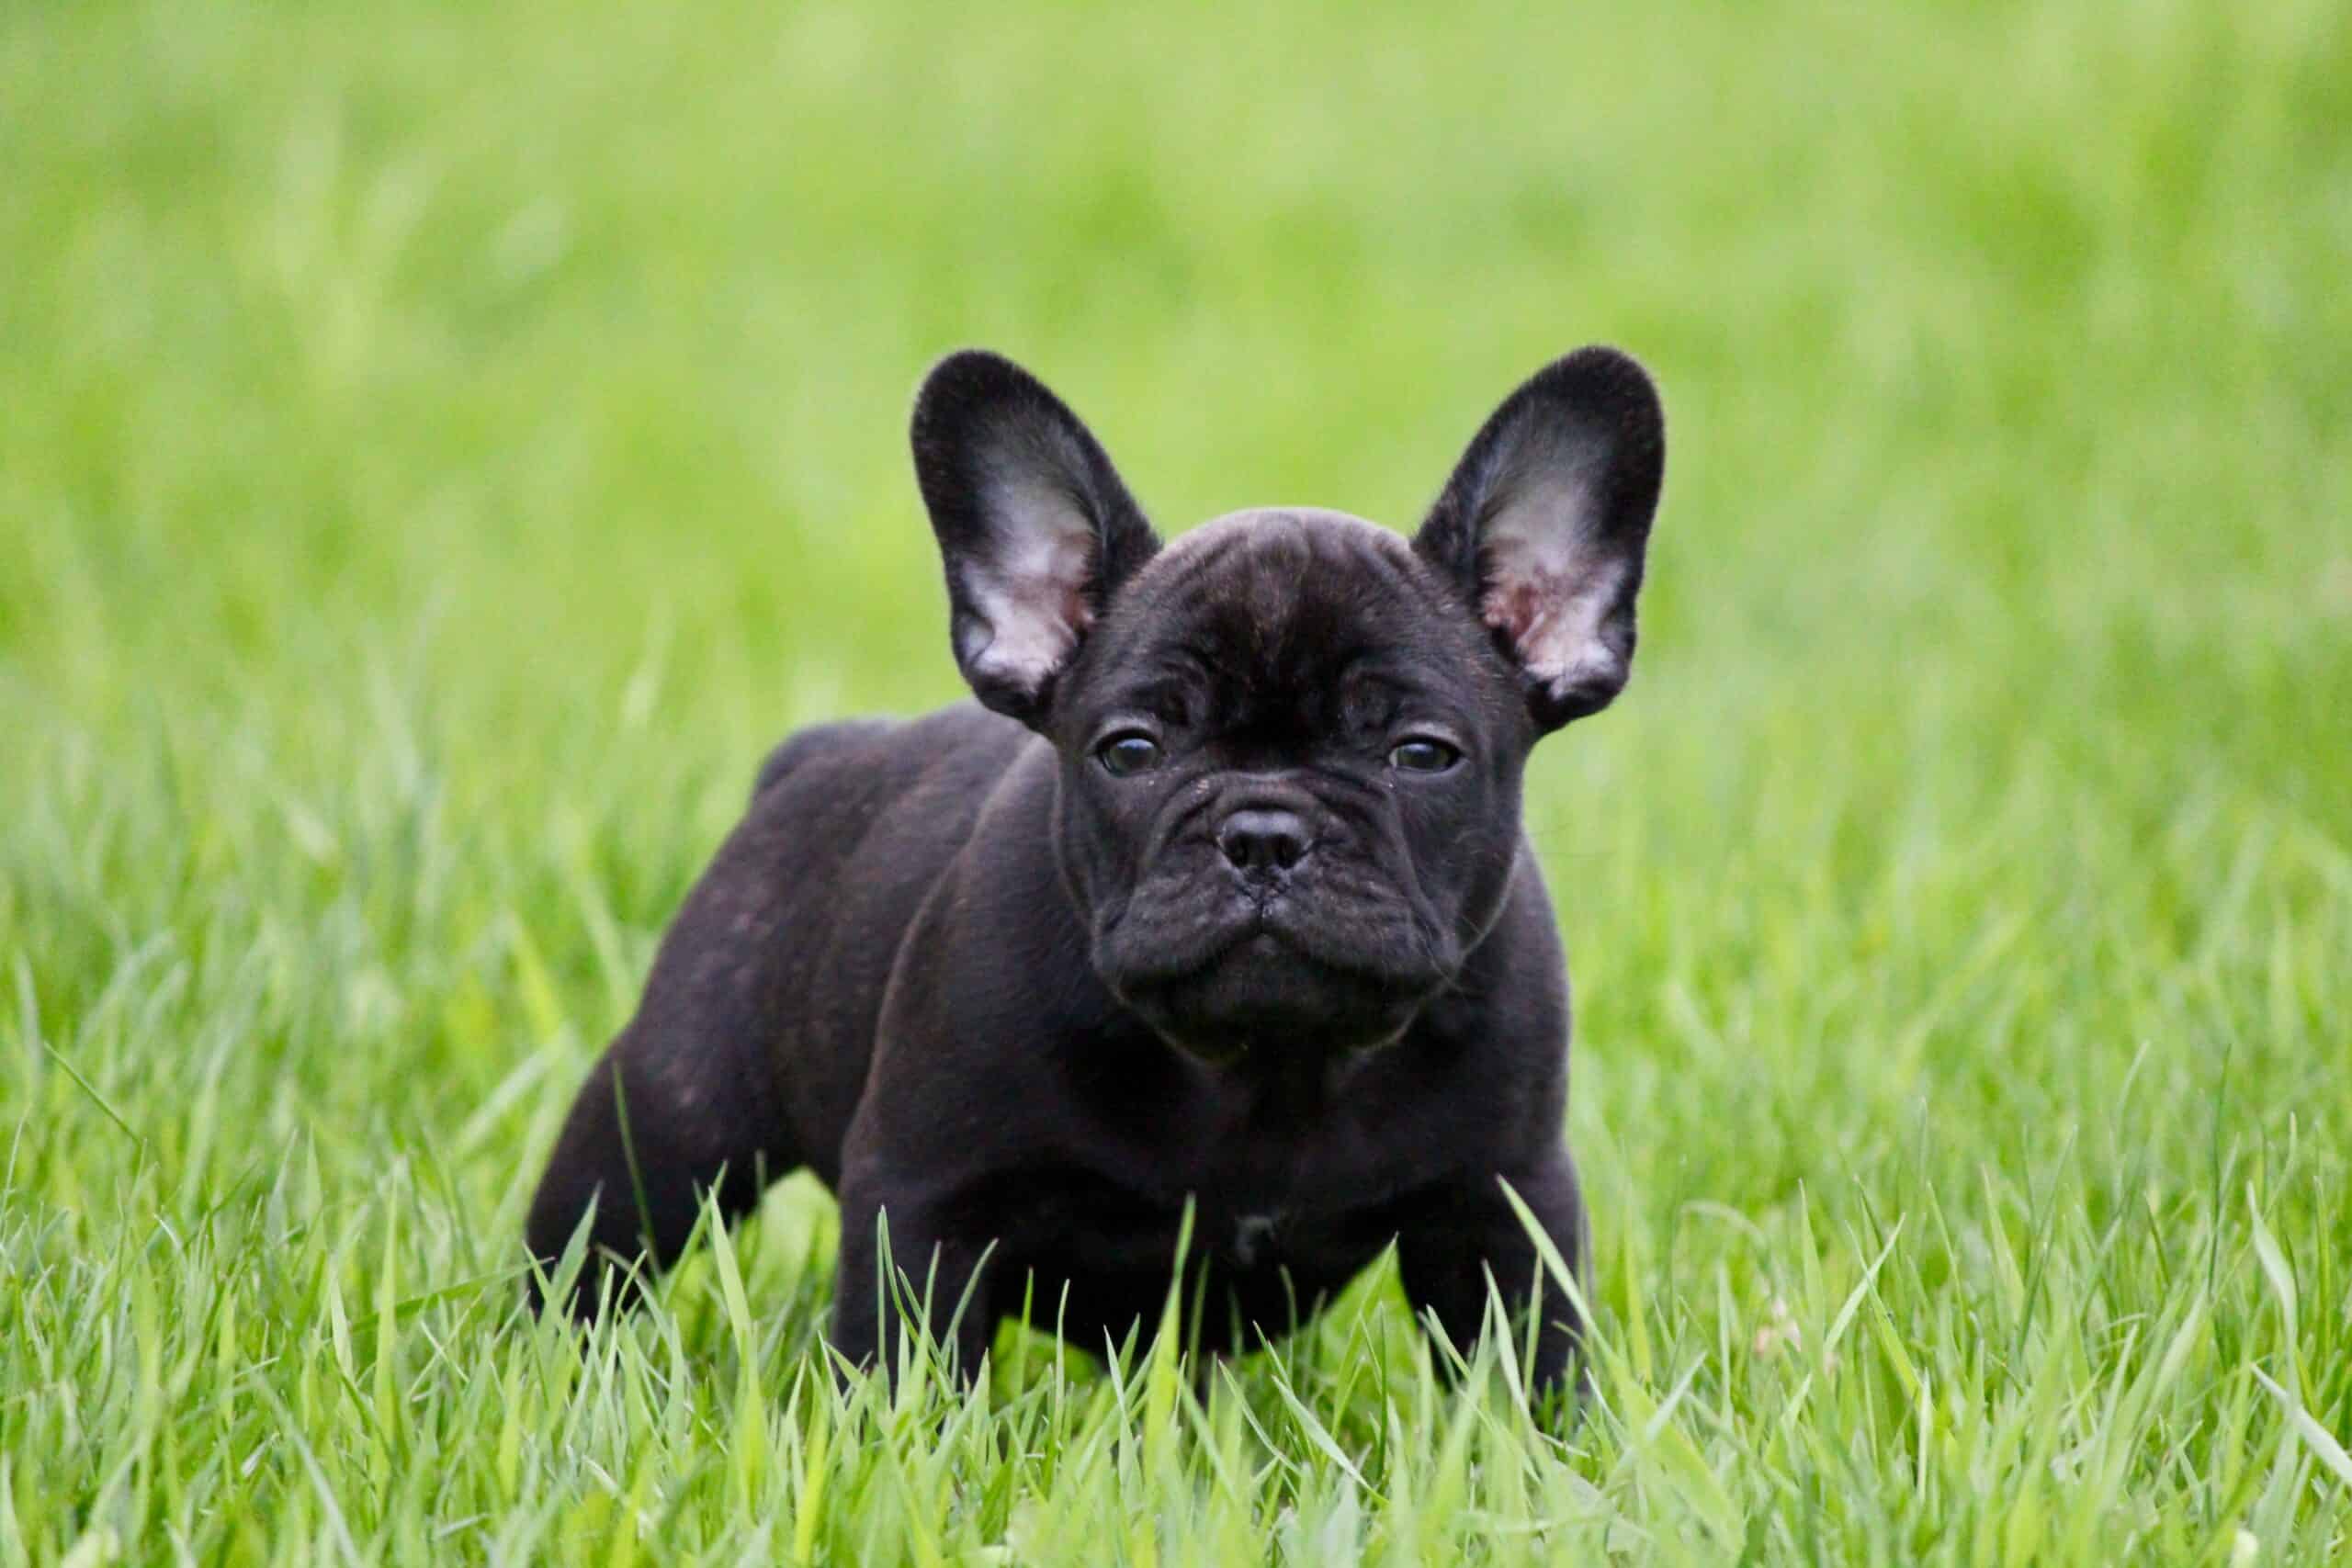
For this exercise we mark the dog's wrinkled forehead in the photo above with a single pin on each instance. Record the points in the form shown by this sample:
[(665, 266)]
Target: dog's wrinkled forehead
[(1273, 538), (1287, 599), (1286, 604)]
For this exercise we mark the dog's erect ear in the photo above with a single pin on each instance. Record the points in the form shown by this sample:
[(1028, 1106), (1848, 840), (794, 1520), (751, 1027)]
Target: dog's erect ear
[(1544, 521), (1034, 528)]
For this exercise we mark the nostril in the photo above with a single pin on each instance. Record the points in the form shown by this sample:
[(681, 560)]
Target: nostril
[(1260, 841)]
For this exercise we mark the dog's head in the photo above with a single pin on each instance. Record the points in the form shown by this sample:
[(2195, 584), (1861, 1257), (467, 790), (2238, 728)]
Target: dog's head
[(1290, 741)]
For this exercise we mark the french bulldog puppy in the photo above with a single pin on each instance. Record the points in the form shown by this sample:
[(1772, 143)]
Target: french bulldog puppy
[(1218, 894)]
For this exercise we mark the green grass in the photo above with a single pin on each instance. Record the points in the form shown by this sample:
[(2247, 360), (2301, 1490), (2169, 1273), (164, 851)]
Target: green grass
[(441, 447)]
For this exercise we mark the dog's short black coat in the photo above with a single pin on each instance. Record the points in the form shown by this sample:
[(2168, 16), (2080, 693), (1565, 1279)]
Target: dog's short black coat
[(1218, 895)]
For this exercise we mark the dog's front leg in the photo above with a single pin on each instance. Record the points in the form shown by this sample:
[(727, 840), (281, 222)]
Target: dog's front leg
[(936, 1283), (1469, 1233)]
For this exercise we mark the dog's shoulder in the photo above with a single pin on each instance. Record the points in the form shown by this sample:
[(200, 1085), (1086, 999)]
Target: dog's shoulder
[(840, 741)]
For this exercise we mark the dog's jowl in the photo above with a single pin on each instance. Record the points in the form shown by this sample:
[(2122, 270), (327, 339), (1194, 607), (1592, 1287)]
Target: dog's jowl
[(1218, 896)]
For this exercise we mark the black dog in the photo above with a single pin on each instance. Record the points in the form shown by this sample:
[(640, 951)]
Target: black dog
[(1218, 895)]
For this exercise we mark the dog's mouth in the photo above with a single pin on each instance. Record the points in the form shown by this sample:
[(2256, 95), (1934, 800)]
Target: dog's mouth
[(1272, 975), (1373, 945)]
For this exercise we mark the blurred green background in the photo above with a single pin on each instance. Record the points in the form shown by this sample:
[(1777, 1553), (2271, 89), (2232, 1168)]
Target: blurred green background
[(441, 445)]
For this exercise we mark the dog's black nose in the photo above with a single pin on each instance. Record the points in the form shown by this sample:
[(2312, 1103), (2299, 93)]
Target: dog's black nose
[(1263, 839)]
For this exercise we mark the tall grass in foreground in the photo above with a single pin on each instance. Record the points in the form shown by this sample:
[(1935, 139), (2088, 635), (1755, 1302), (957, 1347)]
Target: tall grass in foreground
[(281, 1377)]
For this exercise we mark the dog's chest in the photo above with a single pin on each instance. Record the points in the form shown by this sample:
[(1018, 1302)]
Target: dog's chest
[(1097, 1225), (1279, 1184), (1287, 1187), (1311, 1240), (1252, 1238), (1311, 1210)]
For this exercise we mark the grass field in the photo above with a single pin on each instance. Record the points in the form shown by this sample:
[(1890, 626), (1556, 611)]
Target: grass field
[(442, 446)]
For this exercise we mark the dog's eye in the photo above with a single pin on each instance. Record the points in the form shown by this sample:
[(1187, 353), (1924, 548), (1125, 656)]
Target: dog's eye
[(1127, 753), (1423, 755)]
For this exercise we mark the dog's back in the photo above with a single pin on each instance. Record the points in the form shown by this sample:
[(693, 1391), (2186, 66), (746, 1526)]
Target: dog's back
[(851, 827), (777, 962)]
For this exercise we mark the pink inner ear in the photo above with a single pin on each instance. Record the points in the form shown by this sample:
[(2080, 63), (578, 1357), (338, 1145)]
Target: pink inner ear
[(1536, 612), (1077, 614), (1552, 619), (1032, 596), (1517, 609)]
